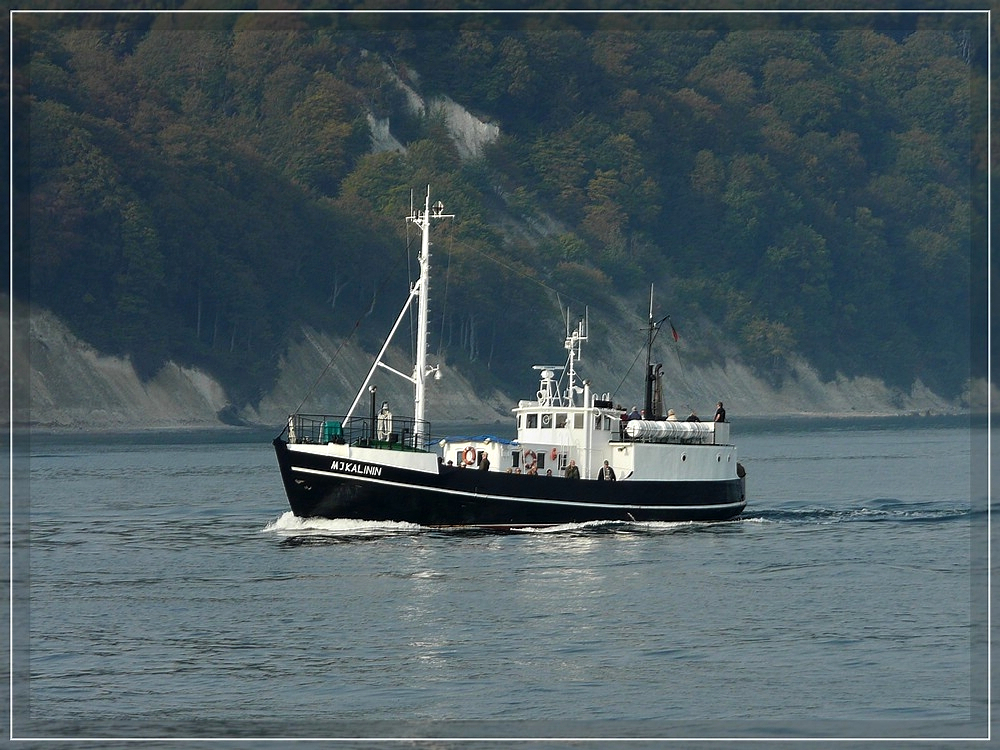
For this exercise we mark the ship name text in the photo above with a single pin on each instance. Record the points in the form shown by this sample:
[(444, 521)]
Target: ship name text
[(350, 467)]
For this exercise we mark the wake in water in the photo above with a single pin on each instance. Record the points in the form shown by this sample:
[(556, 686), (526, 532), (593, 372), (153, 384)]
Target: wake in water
[(883, 510), (290, 525)]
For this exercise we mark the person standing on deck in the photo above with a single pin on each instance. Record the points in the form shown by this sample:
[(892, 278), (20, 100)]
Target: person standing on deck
[(384, 422), (606, 474), (720, 413), (572, 472)]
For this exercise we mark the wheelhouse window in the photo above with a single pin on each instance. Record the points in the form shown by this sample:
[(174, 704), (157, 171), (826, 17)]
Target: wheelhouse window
[(532, 421), (578, 421), (561, 419)]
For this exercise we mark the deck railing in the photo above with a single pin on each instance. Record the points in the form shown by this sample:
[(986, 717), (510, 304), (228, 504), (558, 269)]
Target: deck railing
[(392, 433)]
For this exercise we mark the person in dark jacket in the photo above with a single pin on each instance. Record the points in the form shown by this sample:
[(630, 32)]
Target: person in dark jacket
[(572, 471), (606, 474)]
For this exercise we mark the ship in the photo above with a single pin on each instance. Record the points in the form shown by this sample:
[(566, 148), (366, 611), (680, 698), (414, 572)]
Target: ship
[(575, 456)]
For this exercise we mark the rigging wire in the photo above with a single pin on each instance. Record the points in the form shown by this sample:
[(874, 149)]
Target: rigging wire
[(444, 306), (656, 332), (510, 267), (625, 376), (357, 324), (409, 283), (533, 279), (519, 272)]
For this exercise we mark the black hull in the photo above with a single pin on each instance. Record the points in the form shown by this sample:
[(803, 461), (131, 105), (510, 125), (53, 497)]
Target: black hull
[(457, 497)]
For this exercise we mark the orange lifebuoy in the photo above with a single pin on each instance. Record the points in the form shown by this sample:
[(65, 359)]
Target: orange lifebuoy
[(554, 454), (469, 456), (528, 460)]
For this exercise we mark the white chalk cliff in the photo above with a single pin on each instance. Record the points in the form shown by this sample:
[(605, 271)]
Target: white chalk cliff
[(62, 382)]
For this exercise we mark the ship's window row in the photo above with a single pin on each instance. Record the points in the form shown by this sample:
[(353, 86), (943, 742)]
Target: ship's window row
[(560, 420)]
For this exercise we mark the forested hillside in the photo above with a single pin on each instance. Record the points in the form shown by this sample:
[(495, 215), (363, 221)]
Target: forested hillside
[(194, 187)]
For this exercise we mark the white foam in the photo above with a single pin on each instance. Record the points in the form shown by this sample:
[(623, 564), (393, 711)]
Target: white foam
[(564, 527), (289, 523)]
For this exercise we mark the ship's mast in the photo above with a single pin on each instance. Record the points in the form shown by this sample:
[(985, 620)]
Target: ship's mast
[(419, 291), (574, 345), (422, 290), (654, 403), (648, 395)]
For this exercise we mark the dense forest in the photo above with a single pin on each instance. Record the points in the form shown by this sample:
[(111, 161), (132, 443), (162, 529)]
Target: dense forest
[(195, 187)]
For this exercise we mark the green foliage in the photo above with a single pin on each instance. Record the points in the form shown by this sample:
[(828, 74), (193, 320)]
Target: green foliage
[(767, 345), (200, 186)]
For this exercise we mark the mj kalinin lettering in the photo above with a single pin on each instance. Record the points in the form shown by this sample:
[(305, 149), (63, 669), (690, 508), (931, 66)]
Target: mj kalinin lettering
[(349, 467)]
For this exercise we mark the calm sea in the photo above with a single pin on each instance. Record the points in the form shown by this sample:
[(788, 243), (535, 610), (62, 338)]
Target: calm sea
[(166, 592)]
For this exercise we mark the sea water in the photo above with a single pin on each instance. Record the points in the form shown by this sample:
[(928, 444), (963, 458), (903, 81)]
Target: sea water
[(163, 590)]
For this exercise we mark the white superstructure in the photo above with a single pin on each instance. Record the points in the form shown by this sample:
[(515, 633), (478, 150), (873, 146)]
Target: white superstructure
[(571, 423)]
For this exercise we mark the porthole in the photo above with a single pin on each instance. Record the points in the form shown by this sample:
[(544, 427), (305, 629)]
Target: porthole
[(718, 458), (684, 457)]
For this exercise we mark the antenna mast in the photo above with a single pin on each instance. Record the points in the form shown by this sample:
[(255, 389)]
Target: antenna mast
[(648, 396), (421, 290), (574, 345)]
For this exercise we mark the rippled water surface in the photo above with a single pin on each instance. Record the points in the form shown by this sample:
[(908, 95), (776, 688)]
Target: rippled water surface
[(167, 592)]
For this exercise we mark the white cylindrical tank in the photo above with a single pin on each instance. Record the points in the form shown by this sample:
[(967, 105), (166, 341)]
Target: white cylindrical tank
[(663, 431)]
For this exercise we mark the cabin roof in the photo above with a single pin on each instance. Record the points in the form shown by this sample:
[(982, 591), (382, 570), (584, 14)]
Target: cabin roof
[(478, 439)]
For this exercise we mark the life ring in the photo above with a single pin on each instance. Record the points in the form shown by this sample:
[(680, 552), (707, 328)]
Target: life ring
[(554, 454), (528, 459), (469, 455)]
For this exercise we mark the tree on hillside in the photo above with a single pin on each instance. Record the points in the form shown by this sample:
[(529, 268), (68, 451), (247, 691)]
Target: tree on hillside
[(197, 189)]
